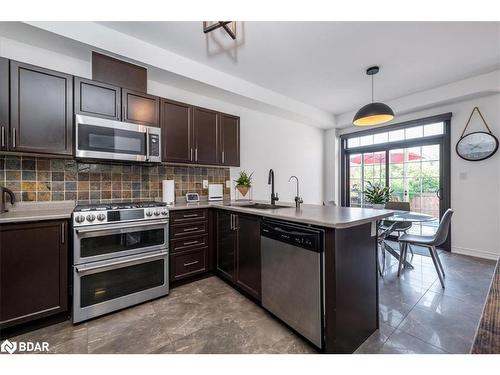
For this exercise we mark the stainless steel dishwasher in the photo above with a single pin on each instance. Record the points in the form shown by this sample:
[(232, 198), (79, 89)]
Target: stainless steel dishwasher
[(292, 276)]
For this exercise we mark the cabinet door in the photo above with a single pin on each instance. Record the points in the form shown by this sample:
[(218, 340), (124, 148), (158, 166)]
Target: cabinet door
[(226, 245), (206, 135), (41, 110), (230, 140), (4, 104), (33, 271), (248, 268), (176, 131), (97, 99), (140, 108)]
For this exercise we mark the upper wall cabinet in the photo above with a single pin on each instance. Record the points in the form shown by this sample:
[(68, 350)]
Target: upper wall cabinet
[(97, 99), (41, 110), (140, 108), (4, 104), (206, 136), (230, 140), (177, 131)]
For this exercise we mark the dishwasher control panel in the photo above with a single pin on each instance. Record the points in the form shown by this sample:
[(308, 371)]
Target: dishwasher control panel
[(304, 237)]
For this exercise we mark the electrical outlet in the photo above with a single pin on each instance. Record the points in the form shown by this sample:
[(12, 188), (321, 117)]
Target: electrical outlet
[(228, 184), (205, 184)]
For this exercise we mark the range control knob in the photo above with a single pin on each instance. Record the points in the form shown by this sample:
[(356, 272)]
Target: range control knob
[(149, 213), (80, 218), (164, 212), (157, 213), (101, 217), (91, 217)]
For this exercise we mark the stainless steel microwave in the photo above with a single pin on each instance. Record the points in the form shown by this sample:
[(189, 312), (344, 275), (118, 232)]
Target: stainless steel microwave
[(103, 139)]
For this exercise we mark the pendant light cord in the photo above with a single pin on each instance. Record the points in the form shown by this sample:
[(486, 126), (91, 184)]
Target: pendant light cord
[(372, 88)]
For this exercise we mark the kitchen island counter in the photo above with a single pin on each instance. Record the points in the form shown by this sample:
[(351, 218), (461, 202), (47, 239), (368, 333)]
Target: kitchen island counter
[(324, 216)]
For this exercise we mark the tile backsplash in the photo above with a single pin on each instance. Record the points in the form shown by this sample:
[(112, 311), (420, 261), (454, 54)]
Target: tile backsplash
[(43, 179)]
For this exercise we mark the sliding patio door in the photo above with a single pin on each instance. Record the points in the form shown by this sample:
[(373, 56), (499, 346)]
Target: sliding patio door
[(411, 158)]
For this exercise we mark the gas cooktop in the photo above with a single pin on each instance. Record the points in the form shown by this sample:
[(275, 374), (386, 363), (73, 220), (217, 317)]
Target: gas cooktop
[(108, 213), (117, 206)]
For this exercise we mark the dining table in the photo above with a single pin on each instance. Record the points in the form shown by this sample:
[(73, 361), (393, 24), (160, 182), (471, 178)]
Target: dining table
[(406, 217)]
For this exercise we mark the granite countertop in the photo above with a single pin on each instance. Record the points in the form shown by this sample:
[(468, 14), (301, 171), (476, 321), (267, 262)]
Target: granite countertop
[(36, 211), (487, 339), (326, 216)]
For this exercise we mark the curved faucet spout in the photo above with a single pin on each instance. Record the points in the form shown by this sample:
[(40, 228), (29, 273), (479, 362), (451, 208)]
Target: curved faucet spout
[(298, 199)]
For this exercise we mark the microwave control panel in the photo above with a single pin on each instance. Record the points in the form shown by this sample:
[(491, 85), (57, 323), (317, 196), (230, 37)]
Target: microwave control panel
[(154, 145)]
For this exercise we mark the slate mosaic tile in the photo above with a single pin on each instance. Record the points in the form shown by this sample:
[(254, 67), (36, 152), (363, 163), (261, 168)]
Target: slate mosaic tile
[(65, 179), (57, 176), (13, 163), (28, 175), (42, 164)]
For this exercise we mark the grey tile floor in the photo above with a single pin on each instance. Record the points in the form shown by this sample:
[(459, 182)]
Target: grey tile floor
[(208, 316), (418, 316)]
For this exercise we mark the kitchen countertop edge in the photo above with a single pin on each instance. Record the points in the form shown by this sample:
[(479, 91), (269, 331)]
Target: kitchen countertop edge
[(275, 214)]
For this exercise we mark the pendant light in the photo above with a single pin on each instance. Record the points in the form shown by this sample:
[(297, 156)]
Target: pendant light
[(373, 113)]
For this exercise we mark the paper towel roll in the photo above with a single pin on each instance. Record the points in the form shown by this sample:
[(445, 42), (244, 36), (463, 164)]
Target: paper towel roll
[(168, 188)]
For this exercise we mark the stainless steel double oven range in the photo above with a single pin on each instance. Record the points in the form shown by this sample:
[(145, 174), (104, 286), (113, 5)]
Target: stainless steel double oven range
[(120, 256)]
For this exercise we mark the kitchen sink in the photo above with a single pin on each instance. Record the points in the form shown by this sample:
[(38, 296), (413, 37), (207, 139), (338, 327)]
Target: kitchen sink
[(260, 206)]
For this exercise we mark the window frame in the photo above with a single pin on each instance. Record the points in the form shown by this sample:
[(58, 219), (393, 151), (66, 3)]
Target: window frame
[(444, 140)]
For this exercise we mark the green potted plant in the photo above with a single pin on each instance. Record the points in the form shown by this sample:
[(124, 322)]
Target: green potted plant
[(244, 182), (377, 195)]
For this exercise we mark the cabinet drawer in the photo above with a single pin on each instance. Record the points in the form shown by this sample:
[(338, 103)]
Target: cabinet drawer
[(188, 229), (184, 216), (187, 263), (189, 243)]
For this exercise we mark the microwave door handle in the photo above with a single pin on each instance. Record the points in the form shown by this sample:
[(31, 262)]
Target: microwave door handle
[(147, 144)]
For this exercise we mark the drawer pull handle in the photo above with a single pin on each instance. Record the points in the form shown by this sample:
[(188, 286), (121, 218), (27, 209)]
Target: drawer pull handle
[(189, 229), (190, 243), (191, 215), (191, 263)]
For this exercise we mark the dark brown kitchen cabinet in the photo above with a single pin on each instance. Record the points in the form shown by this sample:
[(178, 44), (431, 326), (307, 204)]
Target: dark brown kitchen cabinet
[(230, 140), (41, 110), (190, 244), (4, 104), (248, 266), (238, 251), (177, 131), (226, 245), (206, 136), (33, 271), (140, 108), (97, 99)]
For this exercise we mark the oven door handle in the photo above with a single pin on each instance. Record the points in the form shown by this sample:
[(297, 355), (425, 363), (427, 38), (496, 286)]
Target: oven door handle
[(106, 228), (107, 266)]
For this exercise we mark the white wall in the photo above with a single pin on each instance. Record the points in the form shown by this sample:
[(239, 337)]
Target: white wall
[(475, 186), (267, 141)]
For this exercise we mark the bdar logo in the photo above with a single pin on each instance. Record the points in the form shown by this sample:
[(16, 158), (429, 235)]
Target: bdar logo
[(8, 346)]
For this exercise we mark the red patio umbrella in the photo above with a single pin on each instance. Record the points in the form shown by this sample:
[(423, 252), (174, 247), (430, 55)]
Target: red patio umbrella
[(395, 158)]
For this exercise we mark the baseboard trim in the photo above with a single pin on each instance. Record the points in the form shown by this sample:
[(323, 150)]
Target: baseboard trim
[(474, 253)]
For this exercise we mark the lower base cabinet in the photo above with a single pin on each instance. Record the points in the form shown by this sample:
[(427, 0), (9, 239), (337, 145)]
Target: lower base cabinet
[(188, 263), (33, 271), (238, 251)]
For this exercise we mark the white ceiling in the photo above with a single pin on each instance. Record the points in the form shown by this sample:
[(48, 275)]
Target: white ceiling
[(323, 63)]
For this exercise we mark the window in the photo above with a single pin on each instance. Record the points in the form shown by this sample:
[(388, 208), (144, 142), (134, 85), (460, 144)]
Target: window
[(412, 132), (412, 158)]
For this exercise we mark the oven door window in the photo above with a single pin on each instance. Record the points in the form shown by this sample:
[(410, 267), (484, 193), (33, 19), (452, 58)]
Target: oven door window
[(117, 242), (104, 286), (103, 139)]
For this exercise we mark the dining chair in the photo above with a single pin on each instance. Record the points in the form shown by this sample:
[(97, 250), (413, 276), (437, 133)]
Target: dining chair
[(401, 227), (430, 242), (381, 236)]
